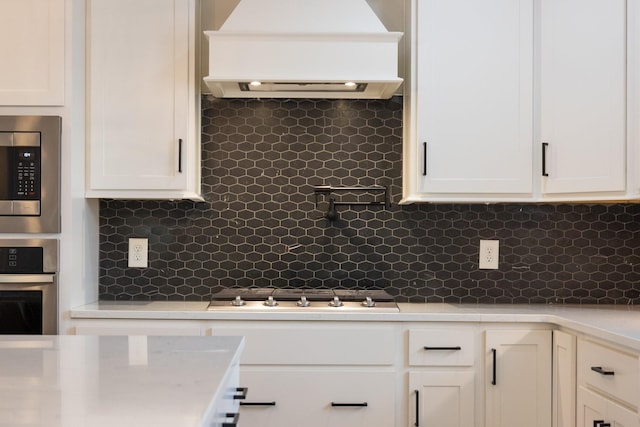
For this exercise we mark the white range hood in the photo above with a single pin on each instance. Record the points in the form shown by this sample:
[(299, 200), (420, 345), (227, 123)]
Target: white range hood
[(303, 49)]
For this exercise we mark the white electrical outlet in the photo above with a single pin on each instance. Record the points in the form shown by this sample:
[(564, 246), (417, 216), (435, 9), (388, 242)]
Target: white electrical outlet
[(138, 252), (489, 254)]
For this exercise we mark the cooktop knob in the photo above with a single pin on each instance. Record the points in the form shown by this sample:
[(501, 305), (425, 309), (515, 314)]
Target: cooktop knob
[(368, 302), (270, 302), (238, 301), (303, 302), (336, 302)]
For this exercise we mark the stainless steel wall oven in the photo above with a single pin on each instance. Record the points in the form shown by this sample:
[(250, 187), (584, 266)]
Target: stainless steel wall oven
[(30, 174), (28, 286)]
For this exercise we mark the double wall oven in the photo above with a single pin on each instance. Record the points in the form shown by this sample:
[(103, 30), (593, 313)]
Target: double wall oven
[(29, 203)]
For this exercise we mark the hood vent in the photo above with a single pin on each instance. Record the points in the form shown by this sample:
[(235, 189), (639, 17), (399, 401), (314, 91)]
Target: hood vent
[(303, 49)]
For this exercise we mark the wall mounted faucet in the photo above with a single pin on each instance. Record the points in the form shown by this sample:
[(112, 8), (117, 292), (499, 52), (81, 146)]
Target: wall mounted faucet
[(328, 191)]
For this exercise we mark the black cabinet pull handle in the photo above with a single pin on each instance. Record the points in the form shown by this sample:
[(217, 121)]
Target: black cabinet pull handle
[(443, 348), (234, 417), (242, 393), (601, 371), (417, 424), (180, 155), (424, 159), (358, 405), (258, 403), (544, 158), (596, 423), (493, 379)]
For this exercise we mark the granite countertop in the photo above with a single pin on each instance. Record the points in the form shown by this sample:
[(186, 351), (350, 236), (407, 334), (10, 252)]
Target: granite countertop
[(94, 381), (617, 323)]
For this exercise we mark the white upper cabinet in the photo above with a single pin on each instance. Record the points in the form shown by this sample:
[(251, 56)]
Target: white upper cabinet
[(143, 111), (470, 106), (520, 100), (583, 95), (32, 52)]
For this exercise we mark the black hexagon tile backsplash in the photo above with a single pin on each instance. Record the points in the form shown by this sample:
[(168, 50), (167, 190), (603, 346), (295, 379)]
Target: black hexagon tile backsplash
[(261, 224)]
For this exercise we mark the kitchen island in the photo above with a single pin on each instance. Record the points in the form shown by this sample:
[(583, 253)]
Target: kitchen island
[(118, 380)]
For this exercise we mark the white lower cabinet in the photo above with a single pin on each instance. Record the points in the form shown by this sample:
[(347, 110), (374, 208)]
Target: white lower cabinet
[(594, 410), (444, 399), (318, 397), (317, 374), (564, 379), (518, 378), (442, 375), (608, 380)]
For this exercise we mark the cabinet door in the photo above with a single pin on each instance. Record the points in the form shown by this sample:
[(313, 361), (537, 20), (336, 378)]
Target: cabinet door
[(32, 52), (139, 57), (292, 398), (564, 379), (593, 407), (518, 378), (583, 119), (444, 399), (474, 94)]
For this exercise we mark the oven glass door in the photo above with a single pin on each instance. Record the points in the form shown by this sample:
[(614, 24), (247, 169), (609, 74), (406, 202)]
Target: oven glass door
[(21, 312)]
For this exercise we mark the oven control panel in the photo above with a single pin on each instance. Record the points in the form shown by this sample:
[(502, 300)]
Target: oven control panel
[(22, 260)]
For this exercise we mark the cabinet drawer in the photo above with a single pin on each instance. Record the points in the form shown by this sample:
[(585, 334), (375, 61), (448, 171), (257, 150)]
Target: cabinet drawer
[(441, 347), (274, 344), (317, 398), (618, 375)]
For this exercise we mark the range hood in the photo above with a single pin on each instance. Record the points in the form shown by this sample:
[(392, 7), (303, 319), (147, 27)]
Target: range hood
[(303, 49)]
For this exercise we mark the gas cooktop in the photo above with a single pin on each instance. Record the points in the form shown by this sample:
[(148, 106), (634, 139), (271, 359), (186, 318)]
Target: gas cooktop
[(298, 299)]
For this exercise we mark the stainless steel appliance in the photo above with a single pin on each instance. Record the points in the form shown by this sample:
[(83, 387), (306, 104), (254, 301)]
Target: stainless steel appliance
[(302, 299), (30, 174), (28, 286)]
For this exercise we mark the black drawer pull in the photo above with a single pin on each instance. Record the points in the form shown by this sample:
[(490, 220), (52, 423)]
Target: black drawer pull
[(424, 159), (358, 405), (601, 371), (258, 403), (242, 393), (493, 378), (234, 417), (417, 424), (180, 155), (544, 158), (456, 348), (600, 423)]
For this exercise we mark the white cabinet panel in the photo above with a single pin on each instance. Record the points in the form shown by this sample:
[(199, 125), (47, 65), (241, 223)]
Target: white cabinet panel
[(518, 378), (583, 61), (32, 52), (143, 115), (293, 398), (474, 96), (596, 411), (444, 399), (564, 379)]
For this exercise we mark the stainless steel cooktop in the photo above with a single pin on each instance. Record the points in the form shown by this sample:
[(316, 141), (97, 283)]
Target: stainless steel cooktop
[(299, 299)]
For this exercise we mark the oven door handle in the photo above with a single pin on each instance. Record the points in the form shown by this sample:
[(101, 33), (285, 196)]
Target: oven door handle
[(27, 278)]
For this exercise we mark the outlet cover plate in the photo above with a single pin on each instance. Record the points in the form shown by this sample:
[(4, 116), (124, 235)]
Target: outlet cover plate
[(489, 254), (138, 252)]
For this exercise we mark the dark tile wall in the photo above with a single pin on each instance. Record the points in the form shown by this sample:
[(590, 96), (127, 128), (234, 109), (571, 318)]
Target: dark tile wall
[(260, 224)]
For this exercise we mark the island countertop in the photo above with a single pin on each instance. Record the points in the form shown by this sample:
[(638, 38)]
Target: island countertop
[(74, 381)]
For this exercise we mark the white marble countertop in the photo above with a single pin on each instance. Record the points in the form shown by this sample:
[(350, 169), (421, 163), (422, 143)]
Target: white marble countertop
[(75, 381), (617, 323)]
